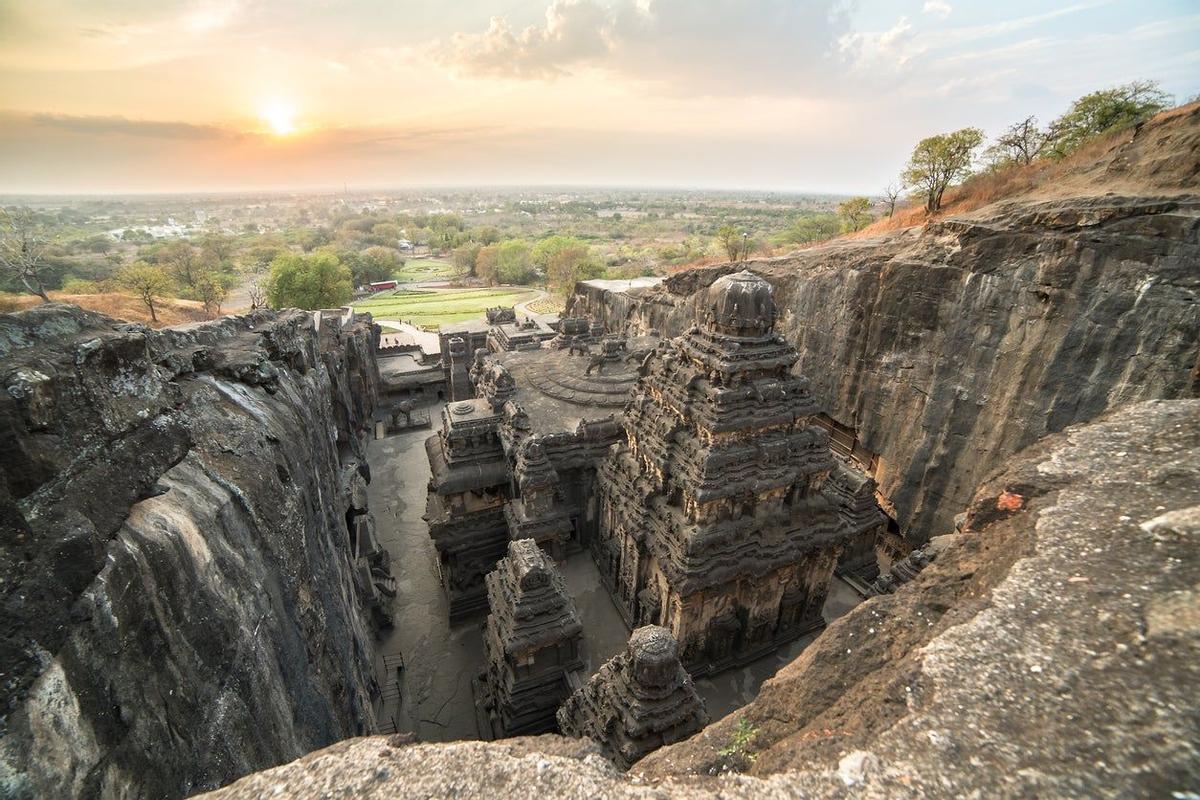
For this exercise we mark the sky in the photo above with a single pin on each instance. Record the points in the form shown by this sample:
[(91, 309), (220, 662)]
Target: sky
[(126, 96)]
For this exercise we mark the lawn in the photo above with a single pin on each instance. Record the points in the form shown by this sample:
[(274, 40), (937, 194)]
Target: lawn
[(429, 308), (425, 269)]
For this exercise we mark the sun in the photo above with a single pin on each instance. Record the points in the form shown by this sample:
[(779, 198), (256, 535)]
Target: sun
[(280, 118)]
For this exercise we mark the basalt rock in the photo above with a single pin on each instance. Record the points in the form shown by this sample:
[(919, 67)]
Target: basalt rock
[(181, 593)]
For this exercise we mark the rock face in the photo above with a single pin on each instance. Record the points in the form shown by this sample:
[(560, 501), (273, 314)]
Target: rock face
[(950, 347), (638, 701), (181, 601), (1050, 650)]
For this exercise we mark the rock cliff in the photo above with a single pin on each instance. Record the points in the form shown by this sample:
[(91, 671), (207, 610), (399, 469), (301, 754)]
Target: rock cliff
[(180, 604), (1050, 650), (952, 346)]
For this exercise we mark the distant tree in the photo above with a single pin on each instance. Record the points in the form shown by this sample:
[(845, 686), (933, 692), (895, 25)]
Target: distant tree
[(565, 261), (100, 243), (811, 227), (485, 263), (317, 280), (148, 281), (1103, 111), (185, 263), (218, 248), (256, 289), (938, 161), (23, 245), (211, 289), (374, 264), (464, 257), (1020, 143), (891, 193), (733, 242), (855, 213), (514, 263), (485, 235)]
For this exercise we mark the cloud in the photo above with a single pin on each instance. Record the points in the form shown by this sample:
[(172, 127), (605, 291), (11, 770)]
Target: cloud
[(716, 47), (130, 127), (938, 8), (575, 31)]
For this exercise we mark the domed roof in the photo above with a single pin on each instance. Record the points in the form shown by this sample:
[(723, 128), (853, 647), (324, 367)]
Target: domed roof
[(741, 304)]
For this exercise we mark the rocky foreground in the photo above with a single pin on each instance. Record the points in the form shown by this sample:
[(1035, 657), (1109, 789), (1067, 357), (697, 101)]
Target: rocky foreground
[(1052, 649), (179, 606)]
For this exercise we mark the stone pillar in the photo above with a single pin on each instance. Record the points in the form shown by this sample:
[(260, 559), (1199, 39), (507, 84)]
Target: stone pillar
[(640, 700), (460, 382)]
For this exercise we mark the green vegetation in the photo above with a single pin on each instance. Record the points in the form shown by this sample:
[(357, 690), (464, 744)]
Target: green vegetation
[(312, 281), (148, 282), (1101, 112), (738, 748), (855, 214), (428, 308), (937, 161)]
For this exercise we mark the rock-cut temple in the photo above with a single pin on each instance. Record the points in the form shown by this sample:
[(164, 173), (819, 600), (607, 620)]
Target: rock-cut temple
[(691, 469), (712, 519)]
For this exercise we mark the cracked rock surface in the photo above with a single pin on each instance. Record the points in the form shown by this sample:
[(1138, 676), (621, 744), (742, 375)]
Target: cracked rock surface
[(178, 604)]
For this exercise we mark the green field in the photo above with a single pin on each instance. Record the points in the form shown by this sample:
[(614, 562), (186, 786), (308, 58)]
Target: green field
[(429, 308), (425, 269)]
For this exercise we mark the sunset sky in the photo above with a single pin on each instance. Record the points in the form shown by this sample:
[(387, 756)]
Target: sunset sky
[(155, 95)]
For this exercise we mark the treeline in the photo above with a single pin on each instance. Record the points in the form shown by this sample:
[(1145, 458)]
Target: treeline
[(944, 160)]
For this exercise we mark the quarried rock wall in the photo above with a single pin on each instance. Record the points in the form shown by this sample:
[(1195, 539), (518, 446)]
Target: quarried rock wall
[(180, 601)]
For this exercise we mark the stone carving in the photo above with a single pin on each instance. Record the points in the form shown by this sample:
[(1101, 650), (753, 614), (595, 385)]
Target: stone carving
[(640, 700), (713, 501), (531, 644), (538, 513), (466, 499), (500, 315)]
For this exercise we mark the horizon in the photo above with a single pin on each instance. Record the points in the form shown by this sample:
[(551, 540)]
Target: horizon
[(235, 97)]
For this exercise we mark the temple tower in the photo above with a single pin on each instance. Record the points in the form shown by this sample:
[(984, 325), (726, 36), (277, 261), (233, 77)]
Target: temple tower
[(712, 522), (538, 513), (638, 701), (531, 644)]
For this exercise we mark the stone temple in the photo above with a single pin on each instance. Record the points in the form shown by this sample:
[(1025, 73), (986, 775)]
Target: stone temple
[(531, 641), (639, 701), (713, 523), (692, 470)]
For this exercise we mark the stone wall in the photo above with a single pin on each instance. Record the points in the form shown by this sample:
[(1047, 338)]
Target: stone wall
[(179, 599)]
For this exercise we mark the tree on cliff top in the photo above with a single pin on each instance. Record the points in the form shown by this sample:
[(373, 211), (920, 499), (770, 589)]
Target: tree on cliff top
[(938, 161), (23, 250), (855, 213), (317, 280), (1020, 143), (147, 281), (1103, 111)]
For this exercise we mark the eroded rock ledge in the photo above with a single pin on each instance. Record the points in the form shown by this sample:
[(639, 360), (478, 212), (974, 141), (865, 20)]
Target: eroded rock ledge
[(1050, 650), (179, 605)]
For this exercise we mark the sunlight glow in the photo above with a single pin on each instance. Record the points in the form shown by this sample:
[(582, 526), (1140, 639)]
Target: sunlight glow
[(280, 118)]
